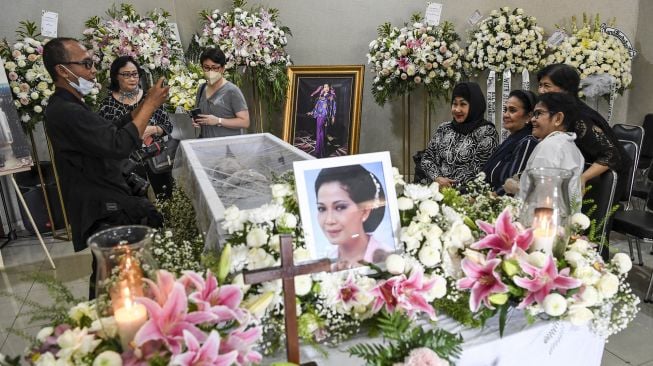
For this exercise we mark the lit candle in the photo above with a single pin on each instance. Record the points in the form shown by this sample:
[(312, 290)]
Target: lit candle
[(129, 318), (544, 230)]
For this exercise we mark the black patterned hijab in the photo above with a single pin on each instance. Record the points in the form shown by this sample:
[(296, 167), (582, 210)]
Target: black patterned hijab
[(472, 93)]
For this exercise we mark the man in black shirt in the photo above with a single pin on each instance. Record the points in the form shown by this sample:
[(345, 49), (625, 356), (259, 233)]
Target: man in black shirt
[(89, 151)]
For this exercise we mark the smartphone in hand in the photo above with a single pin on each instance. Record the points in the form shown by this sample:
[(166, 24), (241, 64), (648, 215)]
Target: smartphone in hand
[(195, 113)]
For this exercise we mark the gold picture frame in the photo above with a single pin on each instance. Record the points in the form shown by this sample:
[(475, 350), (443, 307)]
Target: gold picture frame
[(324, 104)]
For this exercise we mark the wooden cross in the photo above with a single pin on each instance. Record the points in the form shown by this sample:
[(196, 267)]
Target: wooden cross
[(287, 272)]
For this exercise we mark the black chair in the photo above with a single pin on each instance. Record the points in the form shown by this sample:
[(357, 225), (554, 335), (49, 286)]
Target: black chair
[(645, 158), (637, 224), (625, 184), (602, 199), (646, 151)]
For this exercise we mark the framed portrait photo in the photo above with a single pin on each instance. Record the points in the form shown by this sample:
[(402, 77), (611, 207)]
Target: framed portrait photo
[(323, 109), (348, 208)]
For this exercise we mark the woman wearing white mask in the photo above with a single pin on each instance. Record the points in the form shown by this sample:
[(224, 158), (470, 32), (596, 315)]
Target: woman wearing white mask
[(223, 106)]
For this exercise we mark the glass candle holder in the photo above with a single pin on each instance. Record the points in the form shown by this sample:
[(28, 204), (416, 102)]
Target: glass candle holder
[(123, 258), (546, 209)]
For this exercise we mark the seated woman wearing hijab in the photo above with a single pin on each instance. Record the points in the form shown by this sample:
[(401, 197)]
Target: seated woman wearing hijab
[(594, 136), (460, 147), (552, 117), (511, 156)]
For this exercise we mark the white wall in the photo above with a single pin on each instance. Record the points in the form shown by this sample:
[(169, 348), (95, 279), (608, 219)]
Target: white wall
[(339, 31)]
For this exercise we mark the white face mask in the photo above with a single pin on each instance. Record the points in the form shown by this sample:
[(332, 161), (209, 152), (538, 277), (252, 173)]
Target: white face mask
[(83, 86), (212, 77)]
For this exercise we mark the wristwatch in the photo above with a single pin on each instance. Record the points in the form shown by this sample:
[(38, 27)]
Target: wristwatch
[(219, 121)]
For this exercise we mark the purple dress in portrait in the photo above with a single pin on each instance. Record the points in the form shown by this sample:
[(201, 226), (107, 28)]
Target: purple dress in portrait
[(323, 112)]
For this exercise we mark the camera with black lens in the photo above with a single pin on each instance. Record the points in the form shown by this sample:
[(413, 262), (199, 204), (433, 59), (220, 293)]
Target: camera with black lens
[(155, 148), (136, 183)]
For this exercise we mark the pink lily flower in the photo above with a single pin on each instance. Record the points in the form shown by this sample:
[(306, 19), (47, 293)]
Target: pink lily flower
[(207, 354), (167, 323), (406, 294), (543, 280), (403, 63), (163, 286), (482, 280), (242, 342), (349, 294), (504, 236), (222, 301)]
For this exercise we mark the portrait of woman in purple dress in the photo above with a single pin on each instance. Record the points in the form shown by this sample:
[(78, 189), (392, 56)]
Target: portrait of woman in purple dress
[(324, 113)]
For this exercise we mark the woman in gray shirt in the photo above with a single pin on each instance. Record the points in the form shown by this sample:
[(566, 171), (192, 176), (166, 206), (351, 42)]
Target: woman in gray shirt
[(223, 106)]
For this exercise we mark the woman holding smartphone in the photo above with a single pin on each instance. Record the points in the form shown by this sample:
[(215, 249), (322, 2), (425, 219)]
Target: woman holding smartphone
[(223, 107)]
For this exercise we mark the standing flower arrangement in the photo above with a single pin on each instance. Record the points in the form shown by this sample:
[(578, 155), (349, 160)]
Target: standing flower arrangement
[(30, 83), (184, 82), (506, 40), (251, 39), (593, 53), (149, 39), (503, 269), (421, 54)]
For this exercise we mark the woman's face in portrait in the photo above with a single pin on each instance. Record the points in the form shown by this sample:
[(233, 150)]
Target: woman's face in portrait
[(459, 109), (340, 218), (544, 122), (546, 85), (514, 115), (128, 77)]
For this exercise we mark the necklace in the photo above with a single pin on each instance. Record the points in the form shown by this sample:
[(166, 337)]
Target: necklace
[(128, 94)]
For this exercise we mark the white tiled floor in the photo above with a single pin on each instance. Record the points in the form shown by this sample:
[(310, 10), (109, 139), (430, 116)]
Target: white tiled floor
[(633, 346)]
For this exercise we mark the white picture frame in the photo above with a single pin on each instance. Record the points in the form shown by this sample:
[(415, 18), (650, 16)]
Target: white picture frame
[(382, 240)]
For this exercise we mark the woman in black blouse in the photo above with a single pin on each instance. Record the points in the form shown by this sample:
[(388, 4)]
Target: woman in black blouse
[(125, 95), (594, 136), (460, 147)]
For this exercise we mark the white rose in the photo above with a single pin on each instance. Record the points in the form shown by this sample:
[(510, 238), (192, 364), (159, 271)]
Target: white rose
[(287, 220), (429, 207), (589, 296), (429, 256), (608, 285), (579, 315), (580, 220), (622, 262), (395, 264), (279, 191), (34, 95), (256, 237), (44, 333), (405, 203), (438, 290), (575, 259), (108, 358), (581, 246), (554, 304), (587, 275), (458, 235), (275, 243), (303, 285), (38, 109)]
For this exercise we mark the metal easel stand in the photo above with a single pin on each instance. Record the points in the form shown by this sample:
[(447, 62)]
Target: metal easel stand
[(31, 220)]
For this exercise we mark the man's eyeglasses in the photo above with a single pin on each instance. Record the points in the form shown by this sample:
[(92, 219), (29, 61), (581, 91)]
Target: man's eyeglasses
[(211, 68), (538, 112), (128, 75), (88, 63)]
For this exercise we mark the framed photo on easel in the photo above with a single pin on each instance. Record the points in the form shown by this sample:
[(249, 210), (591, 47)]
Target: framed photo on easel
[(323, 109)]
